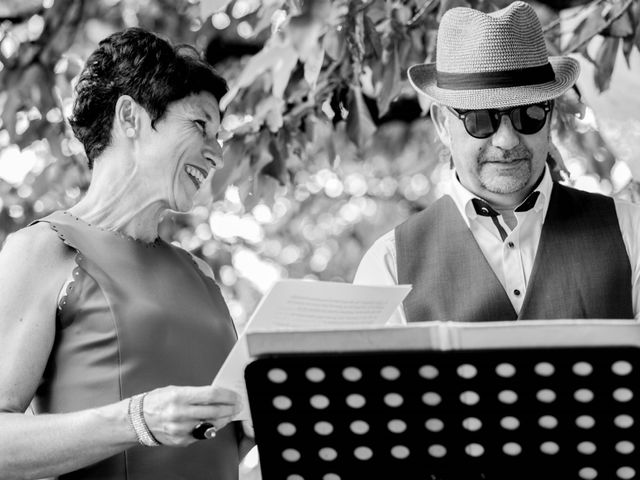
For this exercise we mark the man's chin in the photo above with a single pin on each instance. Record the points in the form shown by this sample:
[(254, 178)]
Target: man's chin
[(505, 179)]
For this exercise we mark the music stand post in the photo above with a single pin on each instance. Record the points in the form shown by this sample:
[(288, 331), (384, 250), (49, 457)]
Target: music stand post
[(562, 412)]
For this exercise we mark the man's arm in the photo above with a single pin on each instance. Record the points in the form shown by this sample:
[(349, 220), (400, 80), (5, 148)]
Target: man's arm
[(379, 267)]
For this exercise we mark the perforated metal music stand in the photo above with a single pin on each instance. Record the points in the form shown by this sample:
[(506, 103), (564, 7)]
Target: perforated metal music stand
[(561, 413)]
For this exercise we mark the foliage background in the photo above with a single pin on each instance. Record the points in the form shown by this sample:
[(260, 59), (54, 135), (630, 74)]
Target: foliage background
[(327, 146)]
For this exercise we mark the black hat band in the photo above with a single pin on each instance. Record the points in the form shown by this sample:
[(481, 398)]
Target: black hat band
[(505, 79)]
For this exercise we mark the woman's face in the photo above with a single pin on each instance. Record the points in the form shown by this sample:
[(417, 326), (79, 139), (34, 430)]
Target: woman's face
[(183, 150)]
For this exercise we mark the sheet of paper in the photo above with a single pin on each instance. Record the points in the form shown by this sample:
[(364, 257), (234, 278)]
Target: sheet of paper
[(301, 304)]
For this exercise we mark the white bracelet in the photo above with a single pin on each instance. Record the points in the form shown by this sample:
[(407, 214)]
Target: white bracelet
[(136, 416)]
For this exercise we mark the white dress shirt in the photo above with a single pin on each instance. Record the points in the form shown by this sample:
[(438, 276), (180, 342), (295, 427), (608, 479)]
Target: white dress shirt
[(511, 260)]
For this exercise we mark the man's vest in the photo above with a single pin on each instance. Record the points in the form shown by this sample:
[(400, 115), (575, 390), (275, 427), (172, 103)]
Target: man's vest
[(581, 269)]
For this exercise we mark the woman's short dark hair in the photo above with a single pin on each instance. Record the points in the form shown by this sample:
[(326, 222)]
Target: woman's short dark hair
[(140, 64)]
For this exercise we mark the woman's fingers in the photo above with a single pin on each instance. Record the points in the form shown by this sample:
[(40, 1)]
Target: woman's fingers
[(172, 412), (247, 428), (221, 412), (209, 395)]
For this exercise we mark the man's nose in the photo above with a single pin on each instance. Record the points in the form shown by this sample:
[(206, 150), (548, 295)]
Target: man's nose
[(506, 136)]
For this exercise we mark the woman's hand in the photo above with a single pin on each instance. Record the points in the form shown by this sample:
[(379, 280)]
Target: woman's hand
[(172, 412)]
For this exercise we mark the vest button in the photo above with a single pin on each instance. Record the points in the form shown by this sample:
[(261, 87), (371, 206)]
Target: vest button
[(516, 292), (511, 244)]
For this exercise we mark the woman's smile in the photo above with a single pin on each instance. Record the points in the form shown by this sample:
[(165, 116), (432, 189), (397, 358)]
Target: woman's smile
[(196, 174)]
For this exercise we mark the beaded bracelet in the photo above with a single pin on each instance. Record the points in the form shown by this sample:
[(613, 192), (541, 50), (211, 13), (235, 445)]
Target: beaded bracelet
[(136, 416)]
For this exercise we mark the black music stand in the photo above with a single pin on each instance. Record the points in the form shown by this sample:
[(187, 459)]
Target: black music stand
[(561, 413)]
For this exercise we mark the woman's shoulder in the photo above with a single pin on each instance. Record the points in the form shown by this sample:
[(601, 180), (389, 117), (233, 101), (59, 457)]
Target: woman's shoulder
[(37, 242)]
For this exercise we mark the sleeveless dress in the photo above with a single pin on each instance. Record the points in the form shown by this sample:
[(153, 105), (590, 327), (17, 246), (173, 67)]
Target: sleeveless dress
[(137, 316)]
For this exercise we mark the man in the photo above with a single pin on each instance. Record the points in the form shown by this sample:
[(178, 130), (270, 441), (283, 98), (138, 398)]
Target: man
[(506, 243)]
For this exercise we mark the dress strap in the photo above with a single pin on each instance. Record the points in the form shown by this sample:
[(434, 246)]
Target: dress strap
[(59, 222)]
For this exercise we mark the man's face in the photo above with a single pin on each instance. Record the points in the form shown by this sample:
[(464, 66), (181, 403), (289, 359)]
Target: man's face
[(501, 168)]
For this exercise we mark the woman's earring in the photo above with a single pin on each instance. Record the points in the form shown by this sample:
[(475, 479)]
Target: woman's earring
[(130, 132)]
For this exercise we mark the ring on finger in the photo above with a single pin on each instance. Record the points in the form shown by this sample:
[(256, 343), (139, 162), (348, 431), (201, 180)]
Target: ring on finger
[(204, 431)]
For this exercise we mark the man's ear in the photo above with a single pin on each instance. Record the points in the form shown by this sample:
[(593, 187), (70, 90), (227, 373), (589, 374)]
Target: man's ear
[(439, 117), (127, 119)]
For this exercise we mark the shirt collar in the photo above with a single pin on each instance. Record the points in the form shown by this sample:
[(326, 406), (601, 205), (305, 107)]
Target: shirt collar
[(463, 198)]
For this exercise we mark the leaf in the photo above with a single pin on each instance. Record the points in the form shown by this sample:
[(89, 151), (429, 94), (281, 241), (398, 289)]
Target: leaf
[(556, 164), (264, 189), (11, 107), (256, 66), (584, 51), (627, 49), (26, 89), (36, 131), (304, 32), (622, 27), (605, 61), (391, 84), (569, 104), (288, 58), (636, 14), (260, 154), (322, 136), (372, 41), (269, 110), (54, 136), (360, 126), (278, 57), (276, 168), (593, 150), (265, 17), (334, 43), (236, 165), (630, 193), (313, 65), (615, 9), (209, 7), (586, 30), (355, 38), (596, 21)]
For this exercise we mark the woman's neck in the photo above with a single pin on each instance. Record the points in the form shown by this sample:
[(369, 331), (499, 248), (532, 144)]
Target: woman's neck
[(118, 199)]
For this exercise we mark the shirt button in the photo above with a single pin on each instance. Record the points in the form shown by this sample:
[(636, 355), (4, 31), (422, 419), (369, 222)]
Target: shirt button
[(516, 292), (511, 244), (484, 210)]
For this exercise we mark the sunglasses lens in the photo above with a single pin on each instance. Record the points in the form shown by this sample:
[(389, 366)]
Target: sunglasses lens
[(528, 119), (480, 123), (525, 119)]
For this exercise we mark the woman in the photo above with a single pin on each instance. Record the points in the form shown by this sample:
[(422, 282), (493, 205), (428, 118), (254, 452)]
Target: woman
[(105, 327)]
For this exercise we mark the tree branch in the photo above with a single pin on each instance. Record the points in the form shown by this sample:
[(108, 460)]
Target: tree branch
[(426, 6), (623, 10), (556, 22)]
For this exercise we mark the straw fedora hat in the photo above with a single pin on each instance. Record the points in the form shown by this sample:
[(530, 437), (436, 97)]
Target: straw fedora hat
[(494, 60)]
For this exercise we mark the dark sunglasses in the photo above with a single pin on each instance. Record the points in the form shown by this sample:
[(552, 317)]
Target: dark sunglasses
[(526, 119)]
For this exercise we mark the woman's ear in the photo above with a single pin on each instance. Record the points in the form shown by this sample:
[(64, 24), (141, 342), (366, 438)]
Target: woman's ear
[(127, 117), (440, 121)]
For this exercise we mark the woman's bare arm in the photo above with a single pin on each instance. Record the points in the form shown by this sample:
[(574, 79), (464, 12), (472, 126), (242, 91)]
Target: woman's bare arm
[(34, 265)]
